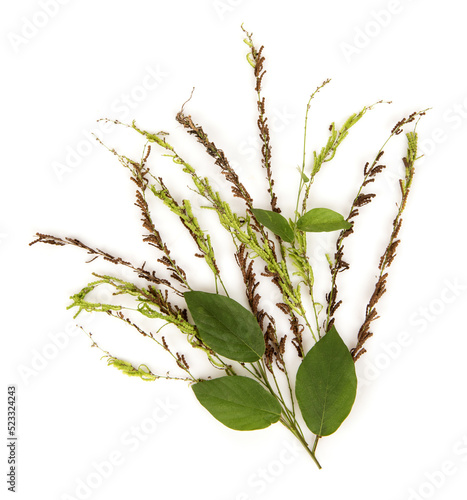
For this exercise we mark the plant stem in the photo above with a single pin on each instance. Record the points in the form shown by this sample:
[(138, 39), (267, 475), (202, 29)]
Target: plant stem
[(288, 418), (302, 171), (315, 444), (339, 243), (295, 431)]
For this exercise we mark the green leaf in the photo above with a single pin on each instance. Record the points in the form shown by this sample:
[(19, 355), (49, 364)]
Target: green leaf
[(226, 326), (275, 222), (322, 219), (240, 403), (326, 384)]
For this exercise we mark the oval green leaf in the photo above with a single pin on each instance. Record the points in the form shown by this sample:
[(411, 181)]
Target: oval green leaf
[(326, 384), (240, 403), (226, 326), (275, 222), (322, 220)]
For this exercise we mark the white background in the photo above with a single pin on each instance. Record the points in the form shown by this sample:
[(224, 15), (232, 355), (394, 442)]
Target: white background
[(89, 60)]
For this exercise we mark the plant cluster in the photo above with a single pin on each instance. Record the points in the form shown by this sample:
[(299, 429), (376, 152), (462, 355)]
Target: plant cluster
[(256, 386)]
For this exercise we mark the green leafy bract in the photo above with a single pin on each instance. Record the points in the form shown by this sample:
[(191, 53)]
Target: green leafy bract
[(240, 403), (326, 384), (275, 222), (321, 220), (226, 326)]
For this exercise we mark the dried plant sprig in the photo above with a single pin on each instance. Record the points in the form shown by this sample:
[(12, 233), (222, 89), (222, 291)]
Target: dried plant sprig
[(361, 199), (139, 175), (143, 372), (179, 358), (256, 59), (149, 276), (238, 189), (389, 254), (327, 153), (190, 222), (256, 386)]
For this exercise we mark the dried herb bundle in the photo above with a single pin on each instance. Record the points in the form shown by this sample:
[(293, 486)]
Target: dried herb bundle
[(256, 387)]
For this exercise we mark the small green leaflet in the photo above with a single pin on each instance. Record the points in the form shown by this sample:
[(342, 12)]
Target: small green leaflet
[(240, 403), (322, 219), (303, 175), (326, 384), (275, 222), (226, 326)]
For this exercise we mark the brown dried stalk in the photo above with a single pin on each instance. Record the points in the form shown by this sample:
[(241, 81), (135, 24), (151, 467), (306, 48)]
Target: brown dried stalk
[(390, 253), (362, 199), (149, 276), (257, 61)]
